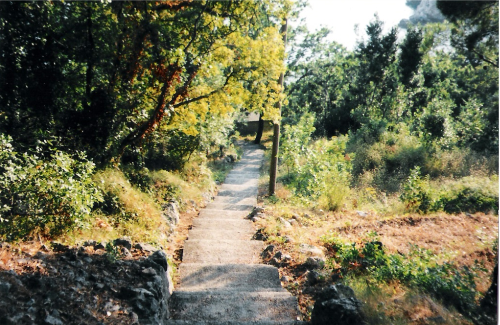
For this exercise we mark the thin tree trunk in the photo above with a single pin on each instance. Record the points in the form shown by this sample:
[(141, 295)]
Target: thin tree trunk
[(276, 132), (260, 130)]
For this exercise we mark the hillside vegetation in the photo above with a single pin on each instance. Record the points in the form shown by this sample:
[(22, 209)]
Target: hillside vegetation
[(114, 113)]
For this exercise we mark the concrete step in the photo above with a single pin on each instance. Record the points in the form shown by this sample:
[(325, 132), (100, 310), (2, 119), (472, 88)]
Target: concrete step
[(250, 200), (219, 306), (211, 234), (190, 322), (238, 188), (250, 193), (232, 277), (242, 180), (247, 169), (221, 214), (223, 224), (222, 251), (230, 207)]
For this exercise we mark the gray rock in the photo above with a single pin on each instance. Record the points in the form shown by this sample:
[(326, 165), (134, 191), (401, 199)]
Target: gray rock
[(268, 251), (160, 258), (285, 223), (100, 246), (362, 214), (437, 320), (52, 320), (293, 222), (5, 288), (171, 212), (278, 255), (288, 239), (123, 242), (89, 243), (134, 318), (311, 250), (337, 302), (125, 252), (149, 271), (315, 262), (313, 277)]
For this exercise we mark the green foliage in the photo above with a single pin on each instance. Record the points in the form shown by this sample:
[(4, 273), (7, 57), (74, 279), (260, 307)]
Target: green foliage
[(50, 195), (419, 269), (416, 192), (467, 195), (470, 195), (317, 170), (112, 252)]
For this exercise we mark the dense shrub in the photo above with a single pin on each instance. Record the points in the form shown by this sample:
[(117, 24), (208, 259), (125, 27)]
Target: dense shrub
[(418, 269), (469, 194), (49, 195), (318, 170)]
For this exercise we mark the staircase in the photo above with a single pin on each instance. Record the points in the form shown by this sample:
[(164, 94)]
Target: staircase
[(221, 280)]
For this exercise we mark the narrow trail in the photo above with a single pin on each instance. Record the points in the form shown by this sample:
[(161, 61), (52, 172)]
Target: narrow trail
[(221, 280)]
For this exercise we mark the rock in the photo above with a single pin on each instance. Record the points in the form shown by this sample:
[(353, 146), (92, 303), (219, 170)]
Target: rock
[(125, 252), (311, 250), (5, 288), (134, 319), (254, 219), (489, 304), (100, 246), (293, 222), (278, 255), (315, 262), (362, 214), (58, 247), (145, 247), (285, 279), (285, 223), (160, 258), (260, 235), (285, 259), (171, 212), (89, 243), (268, 251), (337, 302), (274, 261), (123, 242), (437, 320), (313, 277), (288, 239), (52, 320), (149, 271)]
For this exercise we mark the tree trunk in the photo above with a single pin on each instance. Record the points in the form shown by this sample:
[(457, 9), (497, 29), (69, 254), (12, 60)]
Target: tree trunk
[(276, 131), (260, 130)]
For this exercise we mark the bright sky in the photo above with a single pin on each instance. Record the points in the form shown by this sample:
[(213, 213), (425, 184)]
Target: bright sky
[(341, 16)]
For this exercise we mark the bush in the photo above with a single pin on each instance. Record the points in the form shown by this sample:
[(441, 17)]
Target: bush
[(452, 284), (470, 194), (416, 193), (122, 201), (318, 170), (47, 195)]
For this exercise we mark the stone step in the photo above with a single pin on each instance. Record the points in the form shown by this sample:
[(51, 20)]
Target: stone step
[(251, 193), (190, 322), (250, 200), (238, 188), (242, 180), (232, 277), (212, 234), (221, 214), (223, 224), (247, 169), (230, 207), (219, 306), (222, 251)]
